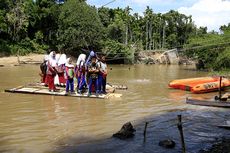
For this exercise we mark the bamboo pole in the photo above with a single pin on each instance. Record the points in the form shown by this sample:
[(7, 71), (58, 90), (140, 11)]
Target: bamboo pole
[(146, 124), (180, 128), (220, 88)]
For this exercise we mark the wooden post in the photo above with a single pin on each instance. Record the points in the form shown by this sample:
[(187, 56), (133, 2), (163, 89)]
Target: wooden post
[(220, 88), (146, 124), (18, 57), (179, 125)]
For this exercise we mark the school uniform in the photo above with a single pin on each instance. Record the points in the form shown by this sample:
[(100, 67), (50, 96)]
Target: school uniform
[(51, 71), (69, 71), (80, 71), (93, 77)]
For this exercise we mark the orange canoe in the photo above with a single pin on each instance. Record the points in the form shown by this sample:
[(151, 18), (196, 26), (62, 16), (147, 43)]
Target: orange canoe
[(188, 84)]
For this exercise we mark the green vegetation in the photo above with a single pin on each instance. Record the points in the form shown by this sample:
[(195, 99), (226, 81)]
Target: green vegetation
[(41, 25), (212, 49)]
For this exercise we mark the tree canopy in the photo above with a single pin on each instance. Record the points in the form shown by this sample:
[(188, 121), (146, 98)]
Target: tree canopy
[(72, 26)]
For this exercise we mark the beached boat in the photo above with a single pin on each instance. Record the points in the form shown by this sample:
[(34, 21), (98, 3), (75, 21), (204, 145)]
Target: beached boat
[(41, 90), (199, 85), (204, 102)]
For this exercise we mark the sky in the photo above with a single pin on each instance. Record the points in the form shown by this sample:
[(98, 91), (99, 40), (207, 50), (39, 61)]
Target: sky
[(209, 13)]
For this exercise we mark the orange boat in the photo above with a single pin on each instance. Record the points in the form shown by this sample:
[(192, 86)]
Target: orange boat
[(211, 86), (188, 84)]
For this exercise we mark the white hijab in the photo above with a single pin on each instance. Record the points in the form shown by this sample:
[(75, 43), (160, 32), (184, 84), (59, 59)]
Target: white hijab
[(62, 59), (46, 57), (81, 59), (68, 64), (52, 60)]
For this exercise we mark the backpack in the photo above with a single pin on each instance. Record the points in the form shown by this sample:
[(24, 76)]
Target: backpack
[(43, 67)]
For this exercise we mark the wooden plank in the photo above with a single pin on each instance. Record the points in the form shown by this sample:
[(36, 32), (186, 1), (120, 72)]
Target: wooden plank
[(27, 90), (211, 103)]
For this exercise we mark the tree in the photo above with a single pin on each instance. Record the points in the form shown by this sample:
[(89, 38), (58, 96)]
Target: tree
[(79, 26), (18, 20)]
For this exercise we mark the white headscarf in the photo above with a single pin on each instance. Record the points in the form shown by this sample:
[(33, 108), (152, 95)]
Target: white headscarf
[(46, 57), (52, 60), (68, 64), (58, 57), (62, 59), (81, 59)]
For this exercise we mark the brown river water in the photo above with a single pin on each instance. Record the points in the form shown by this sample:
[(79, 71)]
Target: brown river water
[(42, 124)]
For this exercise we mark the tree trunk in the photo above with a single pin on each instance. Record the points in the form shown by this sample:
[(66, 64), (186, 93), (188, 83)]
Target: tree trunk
[(150, 36), (146, 38), (126, 35), (153, 40), (163, 41)]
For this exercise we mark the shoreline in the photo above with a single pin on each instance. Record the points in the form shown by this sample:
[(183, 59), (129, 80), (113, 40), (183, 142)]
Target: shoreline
[(27, 59)]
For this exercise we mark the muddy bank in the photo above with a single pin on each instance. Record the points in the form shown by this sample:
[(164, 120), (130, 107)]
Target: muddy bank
[(199, 126), (15, 60), (162, 57)]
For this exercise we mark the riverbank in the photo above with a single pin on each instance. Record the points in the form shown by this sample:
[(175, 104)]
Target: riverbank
[(198, 127), (16, 60)]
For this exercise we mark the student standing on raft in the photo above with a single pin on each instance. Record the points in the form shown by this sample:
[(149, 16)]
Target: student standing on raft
[(80, 73), (103, 74), (69, 76), (88, 61), (92, 54), (56, 78), (51, 71), (61, 70), (43, 68), (93, 71)]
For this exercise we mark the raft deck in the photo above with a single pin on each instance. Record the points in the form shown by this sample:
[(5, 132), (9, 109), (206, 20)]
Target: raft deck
[(61, 92)]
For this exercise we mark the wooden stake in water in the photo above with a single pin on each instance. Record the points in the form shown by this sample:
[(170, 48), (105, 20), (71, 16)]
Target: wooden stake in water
[(179, 125), (220, 88), (146, 124)]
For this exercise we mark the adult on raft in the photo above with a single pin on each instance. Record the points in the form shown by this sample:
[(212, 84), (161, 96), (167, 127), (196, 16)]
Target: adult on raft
[(51, 71)]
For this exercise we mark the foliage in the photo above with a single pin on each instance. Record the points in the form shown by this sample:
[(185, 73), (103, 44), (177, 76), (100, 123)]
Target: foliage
[(118, 50), (36, 26), (222, 62), (211, 48), (79, 26)]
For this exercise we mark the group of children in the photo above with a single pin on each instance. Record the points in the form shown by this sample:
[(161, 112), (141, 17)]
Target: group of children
[(59, 70)]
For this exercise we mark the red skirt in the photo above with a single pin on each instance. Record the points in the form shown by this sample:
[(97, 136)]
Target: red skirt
[(61, 77), (43, 79), (50, 79)]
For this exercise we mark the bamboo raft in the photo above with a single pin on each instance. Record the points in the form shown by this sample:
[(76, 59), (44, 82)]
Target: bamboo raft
[(42, 90), (212, 103)]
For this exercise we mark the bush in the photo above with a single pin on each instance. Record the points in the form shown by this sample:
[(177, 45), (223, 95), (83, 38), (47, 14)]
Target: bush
[(118, 50), (4, 48), (23, 47), (223, 60)]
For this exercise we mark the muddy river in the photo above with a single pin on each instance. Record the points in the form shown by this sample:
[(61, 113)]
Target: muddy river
[(42, 124)]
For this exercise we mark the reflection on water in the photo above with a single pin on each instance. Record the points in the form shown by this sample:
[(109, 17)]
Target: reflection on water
[(35, 123)]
